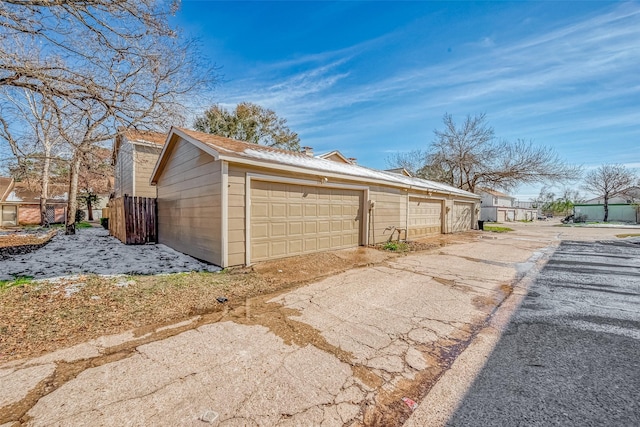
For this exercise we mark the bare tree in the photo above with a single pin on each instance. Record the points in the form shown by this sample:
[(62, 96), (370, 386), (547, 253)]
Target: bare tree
[(251, 123), (39, 141), (105, 65), (412, 161), (470, 156), (94, 178), (608, 181)]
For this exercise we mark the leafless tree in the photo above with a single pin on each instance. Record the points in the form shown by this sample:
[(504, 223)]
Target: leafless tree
[(412, 161), (608, 181), (470, 156), (34, 139), (105, 65)]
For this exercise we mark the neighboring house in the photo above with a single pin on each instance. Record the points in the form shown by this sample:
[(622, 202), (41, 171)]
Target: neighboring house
[(21, 206), (500, 207), (232, 203), (134, 156), (623, 207)]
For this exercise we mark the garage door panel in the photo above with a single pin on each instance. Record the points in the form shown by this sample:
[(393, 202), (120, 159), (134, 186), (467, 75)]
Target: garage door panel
[(278, 229), (310, 227), (260, 230), (278, 210), (310, 211), (295, 209), (302, 219), (260, 250), (295, 228), (278, 248), (324, 210), (260, 210), (310, 245), (295, 246), (425, 217)]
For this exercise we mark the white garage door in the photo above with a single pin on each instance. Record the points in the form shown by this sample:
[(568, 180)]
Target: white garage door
[(462, 216), (289, 219), (425, 217)]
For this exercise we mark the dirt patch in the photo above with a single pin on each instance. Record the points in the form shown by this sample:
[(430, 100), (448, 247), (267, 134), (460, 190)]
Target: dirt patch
[(428, 243)]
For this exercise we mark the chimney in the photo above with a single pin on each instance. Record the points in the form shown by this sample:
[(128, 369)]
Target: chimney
[(353, 160), (308, 151)]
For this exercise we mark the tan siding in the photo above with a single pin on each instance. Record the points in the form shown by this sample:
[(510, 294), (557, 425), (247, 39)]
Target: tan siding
[(390, 210), (145, 161), (123, 174), (189, 205)]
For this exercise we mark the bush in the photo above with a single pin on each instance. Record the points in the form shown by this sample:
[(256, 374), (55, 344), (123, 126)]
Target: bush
[(105, 223), (80, 215)]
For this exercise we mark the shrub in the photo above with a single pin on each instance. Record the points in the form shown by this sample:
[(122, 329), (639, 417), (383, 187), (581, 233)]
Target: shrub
[(80, 215), (105, 223)]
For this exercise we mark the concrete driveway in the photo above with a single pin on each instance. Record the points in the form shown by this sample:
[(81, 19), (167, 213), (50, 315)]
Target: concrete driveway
[(342, 351)]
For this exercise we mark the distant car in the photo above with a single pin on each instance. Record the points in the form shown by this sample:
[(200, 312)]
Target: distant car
[(542, 218), (549, 215)]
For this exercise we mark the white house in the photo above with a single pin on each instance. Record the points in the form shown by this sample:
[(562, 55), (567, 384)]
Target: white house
[(497, 206)]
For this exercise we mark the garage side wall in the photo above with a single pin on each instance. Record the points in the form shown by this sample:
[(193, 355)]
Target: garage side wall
[(145, 159), (390, 210), (189, 203)]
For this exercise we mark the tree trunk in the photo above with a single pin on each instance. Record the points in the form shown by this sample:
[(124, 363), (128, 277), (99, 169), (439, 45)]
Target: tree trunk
[(44, 191), (89, 209), (72, 203), (606, 208)]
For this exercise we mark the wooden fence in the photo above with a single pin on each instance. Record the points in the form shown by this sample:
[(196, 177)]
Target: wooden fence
[(133, 220)]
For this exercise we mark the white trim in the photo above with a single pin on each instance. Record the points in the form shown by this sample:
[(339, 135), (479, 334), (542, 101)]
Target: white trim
[(145, 143), (133, 171), (247, 218), (224, 232), (249, 176), (365, 217)]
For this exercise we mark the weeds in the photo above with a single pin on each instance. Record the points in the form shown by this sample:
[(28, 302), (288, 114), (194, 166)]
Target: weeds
[(622, 236), (396, 246), (495, 229), (17, 281)]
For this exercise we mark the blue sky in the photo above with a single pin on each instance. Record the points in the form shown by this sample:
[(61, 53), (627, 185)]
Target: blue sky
[(371, 78)]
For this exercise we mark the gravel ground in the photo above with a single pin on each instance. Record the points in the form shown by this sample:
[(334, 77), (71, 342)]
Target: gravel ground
[(92, 250)]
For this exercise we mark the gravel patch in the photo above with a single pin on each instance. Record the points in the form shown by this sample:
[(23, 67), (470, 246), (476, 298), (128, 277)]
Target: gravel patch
[(93, 251)]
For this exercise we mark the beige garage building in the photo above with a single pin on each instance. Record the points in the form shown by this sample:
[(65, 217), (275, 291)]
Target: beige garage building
[(233, 203)]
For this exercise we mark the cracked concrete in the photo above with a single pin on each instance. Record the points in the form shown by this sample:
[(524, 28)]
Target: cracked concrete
[(341, 351)]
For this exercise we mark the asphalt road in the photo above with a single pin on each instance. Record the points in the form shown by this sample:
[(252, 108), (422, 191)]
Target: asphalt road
[(571, 354)]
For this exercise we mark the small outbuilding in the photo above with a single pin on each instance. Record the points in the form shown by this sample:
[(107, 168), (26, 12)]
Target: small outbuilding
[(232, 203)]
